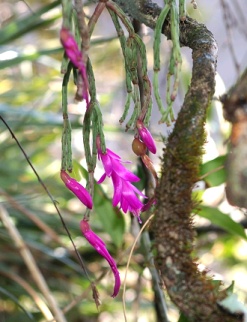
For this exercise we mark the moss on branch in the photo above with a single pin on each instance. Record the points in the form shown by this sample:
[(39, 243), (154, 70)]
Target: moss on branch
[(191, 290)]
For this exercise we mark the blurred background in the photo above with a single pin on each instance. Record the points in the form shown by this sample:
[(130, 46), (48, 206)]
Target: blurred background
[(30, 102)]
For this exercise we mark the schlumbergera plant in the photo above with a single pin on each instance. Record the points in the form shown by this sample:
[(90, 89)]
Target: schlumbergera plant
[(75, 37)]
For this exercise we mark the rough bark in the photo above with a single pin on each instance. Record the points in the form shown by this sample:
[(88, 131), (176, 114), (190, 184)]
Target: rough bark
[(190, 289)]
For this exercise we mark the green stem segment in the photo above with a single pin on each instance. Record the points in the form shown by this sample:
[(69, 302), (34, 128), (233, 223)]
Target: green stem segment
[(133, 49), (175, 59), (66, 135)]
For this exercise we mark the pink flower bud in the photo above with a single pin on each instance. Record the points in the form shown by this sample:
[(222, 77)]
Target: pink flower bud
[(81, 193), (100, 247), (146, 136), (75, 55), (71, 48)]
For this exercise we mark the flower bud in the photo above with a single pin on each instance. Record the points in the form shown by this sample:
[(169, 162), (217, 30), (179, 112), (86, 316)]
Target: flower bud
[(100, 247), (146, 136), (138, 147), (81, 193)]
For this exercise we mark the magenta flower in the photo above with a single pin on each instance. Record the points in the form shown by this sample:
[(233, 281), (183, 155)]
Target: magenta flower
[(146, 136), (100, 247), (75, 55), (81, 193), (125, 194)]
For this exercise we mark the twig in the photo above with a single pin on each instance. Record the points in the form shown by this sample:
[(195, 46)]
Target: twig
[(49, 195), (35, 296), (226, 16), (158, 291), (31, 264), (38, 222), (211, 172), (128, 262)]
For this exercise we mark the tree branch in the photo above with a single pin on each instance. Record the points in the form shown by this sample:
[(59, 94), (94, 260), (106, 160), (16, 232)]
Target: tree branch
[(189, 289)]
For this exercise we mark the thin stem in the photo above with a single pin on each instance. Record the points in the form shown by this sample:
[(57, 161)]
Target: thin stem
[(95, 16), (49, 195), (66, 136), (128, 263), (159, 293), (83, 29), (156, 53), (31, 264), (182, 10), (226, 16), (30, 215), (114, 7), (67, 13), (35, 296)]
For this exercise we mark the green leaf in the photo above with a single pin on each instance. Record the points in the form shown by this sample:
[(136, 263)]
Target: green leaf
[(19, 27), (213, 171), (183, 318), (222, 220), (230, 288)]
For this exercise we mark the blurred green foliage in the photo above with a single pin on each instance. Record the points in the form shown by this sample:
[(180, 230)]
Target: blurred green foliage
[(30, 56)]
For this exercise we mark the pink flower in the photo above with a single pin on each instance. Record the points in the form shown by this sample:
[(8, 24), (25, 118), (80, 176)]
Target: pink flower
[(146, 136), (81, 193), (125, 194), (112, 163), (75, 55), (100, 247)]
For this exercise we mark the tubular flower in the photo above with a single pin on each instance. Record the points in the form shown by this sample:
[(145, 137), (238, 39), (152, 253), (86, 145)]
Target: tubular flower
[(125, 194), (100, 247), (75, 55), (146, 136), (81, 193)]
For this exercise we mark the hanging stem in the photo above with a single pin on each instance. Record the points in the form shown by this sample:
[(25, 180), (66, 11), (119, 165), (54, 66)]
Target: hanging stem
[(156, 52), (182, 10), (51, 198), (95, 16), (66, 136)]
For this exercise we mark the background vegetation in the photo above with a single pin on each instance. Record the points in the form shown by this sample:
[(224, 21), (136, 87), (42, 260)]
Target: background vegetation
[(30, 57)]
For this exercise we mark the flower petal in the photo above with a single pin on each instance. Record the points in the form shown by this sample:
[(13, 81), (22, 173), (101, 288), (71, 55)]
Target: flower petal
[(81, 193), (102, 178), (124, 191), (113, 155), (146, 136), (100, 247), (123, 172), (137, 191), (107, 163), (117, 183)]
